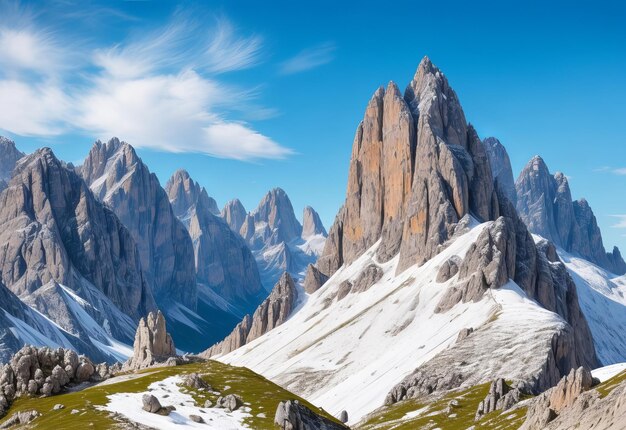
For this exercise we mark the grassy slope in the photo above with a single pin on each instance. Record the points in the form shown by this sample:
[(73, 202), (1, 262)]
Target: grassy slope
[(262, 395)]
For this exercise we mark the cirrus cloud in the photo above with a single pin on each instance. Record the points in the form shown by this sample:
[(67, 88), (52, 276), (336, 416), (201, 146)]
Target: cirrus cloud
[(161, 90)]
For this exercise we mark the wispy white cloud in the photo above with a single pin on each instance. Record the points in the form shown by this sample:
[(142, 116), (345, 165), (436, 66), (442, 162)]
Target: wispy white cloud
[(621, 221), (608, 169), (309, 58), (160, 90)]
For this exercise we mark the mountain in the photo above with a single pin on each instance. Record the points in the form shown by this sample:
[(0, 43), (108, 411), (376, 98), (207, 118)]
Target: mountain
[(9, 155), (229, 285), (119, 179), (501, 168), (434, 282), (234, 213), (68, 256), (276, 237), (544, 202)]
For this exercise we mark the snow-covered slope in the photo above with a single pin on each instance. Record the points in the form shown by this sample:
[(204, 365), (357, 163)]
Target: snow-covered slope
[(602, 298), (347, 353)]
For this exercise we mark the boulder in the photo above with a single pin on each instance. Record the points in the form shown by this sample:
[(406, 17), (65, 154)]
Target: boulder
[(230, 402), (292, 415), (151, 403)]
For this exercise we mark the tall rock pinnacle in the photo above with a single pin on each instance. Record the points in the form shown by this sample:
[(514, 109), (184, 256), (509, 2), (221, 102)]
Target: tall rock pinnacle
[(311, 223), (416, 169)]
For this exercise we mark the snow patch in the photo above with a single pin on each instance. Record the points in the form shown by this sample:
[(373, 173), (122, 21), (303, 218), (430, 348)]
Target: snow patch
[(168, 392), (607, 372)]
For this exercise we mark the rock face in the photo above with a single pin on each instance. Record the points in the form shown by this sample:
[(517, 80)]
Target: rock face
[(118, 178), (500, 398), (9, 155), (44, 371), (311, 223), (183, 192), (589, 411), (546, 407), (54, 230), (223, 261), (416, 169), (278, 241), (153, 344), (270, 314), (292, 415), (544, 202), (234, 214), (501, 168), (314, 279)]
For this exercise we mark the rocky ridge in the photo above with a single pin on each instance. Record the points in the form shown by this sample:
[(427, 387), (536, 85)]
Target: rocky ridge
[(61, 243), (544, 202), (118, 178)]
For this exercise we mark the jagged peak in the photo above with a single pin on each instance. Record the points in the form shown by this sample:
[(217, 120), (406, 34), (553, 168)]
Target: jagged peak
[(181, 173)]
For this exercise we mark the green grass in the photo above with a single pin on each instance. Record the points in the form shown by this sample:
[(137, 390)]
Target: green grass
[(607, 386), (432, 416), (262, 395)]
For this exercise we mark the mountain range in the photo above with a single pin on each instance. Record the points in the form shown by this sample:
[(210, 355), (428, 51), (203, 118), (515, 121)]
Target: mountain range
[(441, 277)]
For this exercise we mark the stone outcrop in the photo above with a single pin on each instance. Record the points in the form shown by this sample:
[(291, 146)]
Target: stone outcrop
[(292, 415), (274, 311), (550, 404), (54, 230), (314, 279), (311, 223), (234, 213), (9, 156), (416, 169), (368, 277), (118, 178), (590, 410), (153, 344), (223, 262), (501, 168), (45, 371), (544, 202), (500, 398)]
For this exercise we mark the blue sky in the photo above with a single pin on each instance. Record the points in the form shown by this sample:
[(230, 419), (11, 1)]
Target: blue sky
[(250, 95)]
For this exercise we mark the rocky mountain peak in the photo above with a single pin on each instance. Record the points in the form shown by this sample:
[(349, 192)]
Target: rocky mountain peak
[(73, 240), (118, 177), (9, 155), (183, 192), (416, 169), (311, 223), (152, 344), (234, 213), (276, 211), (544, 202)]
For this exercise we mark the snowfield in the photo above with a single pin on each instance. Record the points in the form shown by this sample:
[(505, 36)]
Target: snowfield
[(602, 298), (348, 354), (607, 372), (168, 392)]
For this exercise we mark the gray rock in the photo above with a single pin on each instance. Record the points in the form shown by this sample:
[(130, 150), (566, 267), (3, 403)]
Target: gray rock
[(292, 415), (314, 279), (368, 277), (196, 419), (501, 168), (311, 223), (343, 416), (464, 333), (343, 289), (183, 192), (153, 344), (165, 248), (234, 213), (20, 418), (208, 403), (150, 403), (500, 397), (9, 156), (58, 406), (545, 204), (230, 402), (448, 269), (194, 380)]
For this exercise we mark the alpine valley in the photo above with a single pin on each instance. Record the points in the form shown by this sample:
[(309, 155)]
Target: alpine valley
[(446, 294)]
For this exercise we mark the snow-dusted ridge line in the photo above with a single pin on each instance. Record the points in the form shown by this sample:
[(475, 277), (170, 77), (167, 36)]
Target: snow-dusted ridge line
[(368, 342)]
